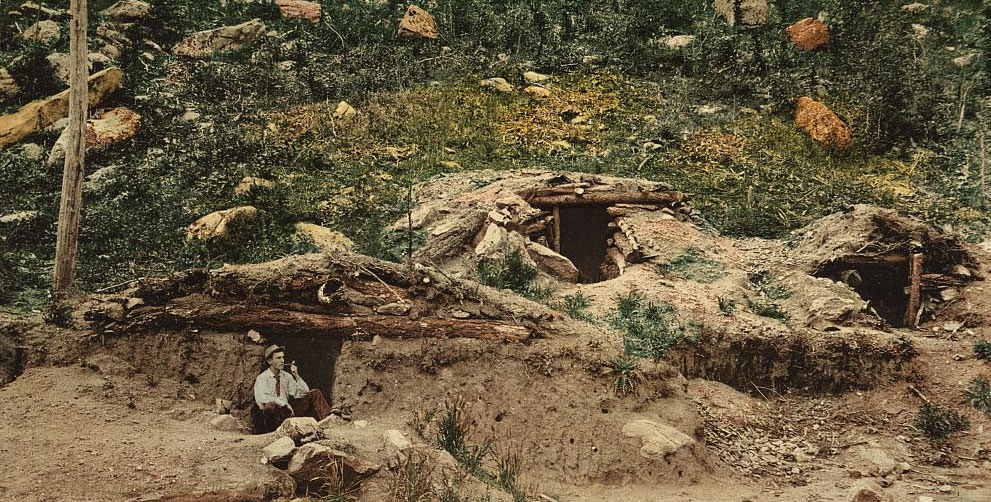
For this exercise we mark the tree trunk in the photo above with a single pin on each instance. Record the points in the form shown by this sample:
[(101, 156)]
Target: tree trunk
[(71, 203)]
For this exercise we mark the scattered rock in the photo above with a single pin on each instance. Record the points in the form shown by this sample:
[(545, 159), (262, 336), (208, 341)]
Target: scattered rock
[(204, 44), (278, 450), (923, 498), (869, 491), (658, 440), (102, 130), (919, 31), (496, 83), (395, 308), (417, 23), (8, 86), (297, 428), (360, 424), (344, 111), (225, 423), (552, 262), (60, 61), (221, 406), (824, 126), (218, 223), (329, 241), (537, 92), (532, 77), (44, 32), (19, 217), (492, 242), (133, 303), (397, 439), (255, 337), (678, 41), (33, 8), (879, 462), (915, 7), (746, 12), (808, 34), (314, 463), (34, 151), (300, 9), (127, 10), (40, 114), (249, 182)]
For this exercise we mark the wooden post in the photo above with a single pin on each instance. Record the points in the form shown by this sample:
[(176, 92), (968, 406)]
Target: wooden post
[(914, 273), (557, 229), (70, 206)]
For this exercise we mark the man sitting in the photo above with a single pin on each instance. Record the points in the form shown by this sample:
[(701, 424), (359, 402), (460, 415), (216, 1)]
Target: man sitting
[(280, 395)]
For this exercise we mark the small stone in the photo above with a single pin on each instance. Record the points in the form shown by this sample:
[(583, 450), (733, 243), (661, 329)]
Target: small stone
[(128, 10), (679, 41), (218, 223), (822, 124), (923, 498), (8, 86), (537, 92), (915, 7), (255, 337), (497, 84), (280, 449), (221, 406), (300, 9), (327, 240), (204, 44), (945, 489), (344, 112), (808, 34), (869, 491), (134, 302), (360, 424), (249, 182), (417, 23), (225, 423), (19, 217), (532, 77), (397, 439), (44, 32), (948, 294), (297, 428)]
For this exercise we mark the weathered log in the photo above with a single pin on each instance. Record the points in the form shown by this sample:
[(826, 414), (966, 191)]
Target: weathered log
[(548, 197), (202, 311), (861, 259), (914, 270)]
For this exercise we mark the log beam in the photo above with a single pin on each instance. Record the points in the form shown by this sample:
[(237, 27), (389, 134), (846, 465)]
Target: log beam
[(914, 281), (548, 197)]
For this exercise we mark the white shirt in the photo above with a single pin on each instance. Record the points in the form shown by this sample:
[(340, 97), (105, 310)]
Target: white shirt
[(265, 388)]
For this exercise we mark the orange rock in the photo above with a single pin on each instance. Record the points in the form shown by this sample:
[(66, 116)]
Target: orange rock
[(822, 124), (417, 23), (300, 9), (111, 126), (808, 34)]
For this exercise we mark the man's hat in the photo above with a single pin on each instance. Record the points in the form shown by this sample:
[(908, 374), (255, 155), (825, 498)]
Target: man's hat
[(273, 349)]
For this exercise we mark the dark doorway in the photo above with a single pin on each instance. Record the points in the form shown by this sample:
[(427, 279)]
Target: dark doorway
[(881, 284), (315, 356), (584, 230)]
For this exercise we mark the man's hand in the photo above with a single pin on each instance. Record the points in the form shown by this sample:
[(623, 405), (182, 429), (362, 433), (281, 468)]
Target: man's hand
[(294, 370)]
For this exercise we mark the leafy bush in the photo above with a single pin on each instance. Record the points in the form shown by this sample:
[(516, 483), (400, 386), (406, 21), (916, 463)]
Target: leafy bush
[(978, 395), (510, 272), (627, 375), (649, 330), (576, 305), (982, 350), (693, 265), (938, 423)]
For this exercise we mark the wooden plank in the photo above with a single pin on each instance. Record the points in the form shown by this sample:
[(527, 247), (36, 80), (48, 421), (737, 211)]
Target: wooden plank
[(914, 281), (557, 229), (862, 259)]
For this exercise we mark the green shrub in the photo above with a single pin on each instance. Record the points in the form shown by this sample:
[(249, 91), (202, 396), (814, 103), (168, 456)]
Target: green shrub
[(764, 283), (693, 265), (453, 434), (626, 375), (982, 350), (938, 423), (576, 305), (510, 272), (978, 395), (726, 305), (649, 330)]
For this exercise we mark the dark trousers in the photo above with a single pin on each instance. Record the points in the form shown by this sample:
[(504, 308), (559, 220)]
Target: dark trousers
[(312, 404)]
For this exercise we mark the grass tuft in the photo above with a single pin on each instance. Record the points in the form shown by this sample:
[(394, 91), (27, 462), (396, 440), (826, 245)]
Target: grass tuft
[(978, 395), (649, 330), (693, 265), (513, 273), (938, 423)]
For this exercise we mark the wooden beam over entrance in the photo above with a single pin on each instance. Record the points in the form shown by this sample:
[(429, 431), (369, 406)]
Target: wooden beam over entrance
[(555, 196)]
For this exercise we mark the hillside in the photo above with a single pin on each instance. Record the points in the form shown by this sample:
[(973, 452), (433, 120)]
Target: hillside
[(531, 250)]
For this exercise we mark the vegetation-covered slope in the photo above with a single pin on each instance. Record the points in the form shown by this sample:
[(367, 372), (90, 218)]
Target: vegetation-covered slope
[(713, 118)]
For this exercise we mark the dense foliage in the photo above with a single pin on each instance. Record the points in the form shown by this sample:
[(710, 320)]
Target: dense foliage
[(713, 118)]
